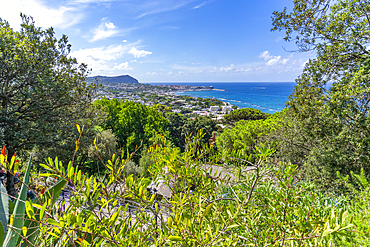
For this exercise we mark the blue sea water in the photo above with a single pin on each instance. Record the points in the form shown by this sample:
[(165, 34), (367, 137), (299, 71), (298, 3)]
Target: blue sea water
[(269, 97)]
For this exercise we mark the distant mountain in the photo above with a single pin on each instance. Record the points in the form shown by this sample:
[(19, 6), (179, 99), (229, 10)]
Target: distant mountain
[(117, 79)]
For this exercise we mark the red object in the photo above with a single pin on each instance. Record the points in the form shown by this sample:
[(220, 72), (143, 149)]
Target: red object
[(213, 139)]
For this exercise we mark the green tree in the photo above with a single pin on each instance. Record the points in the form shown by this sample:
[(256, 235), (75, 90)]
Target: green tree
[(244, 114), (242, 139), (329, 106), (43, 91), (180, 126), (132, 123), (176, 124)]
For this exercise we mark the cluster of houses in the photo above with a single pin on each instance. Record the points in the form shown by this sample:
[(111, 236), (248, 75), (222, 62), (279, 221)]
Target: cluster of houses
[(141, 94)]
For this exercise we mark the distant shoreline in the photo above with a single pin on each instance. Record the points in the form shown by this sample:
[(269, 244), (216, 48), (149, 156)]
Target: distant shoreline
[(267, 97)]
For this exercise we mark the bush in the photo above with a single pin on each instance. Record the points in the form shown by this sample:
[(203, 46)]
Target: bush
[(244, 114)]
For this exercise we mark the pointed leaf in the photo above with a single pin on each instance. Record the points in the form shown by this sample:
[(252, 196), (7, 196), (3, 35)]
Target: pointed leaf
[(78, 128), (208, 210), (2, 233), (13, 234), (174, 238)]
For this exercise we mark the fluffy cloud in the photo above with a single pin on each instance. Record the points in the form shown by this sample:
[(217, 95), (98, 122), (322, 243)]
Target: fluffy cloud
[(122, 66), (45, 16), (139, 53), (270, 65), (104, 30), (272, 60), (102, 59), (109, 58)]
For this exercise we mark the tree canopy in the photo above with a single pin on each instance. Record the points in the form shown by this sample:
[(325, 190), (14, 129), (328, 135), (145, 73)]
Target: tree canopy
[(43, 91), (244, 114), (331, 100), (181, 126), (242, 139), (132, 123)]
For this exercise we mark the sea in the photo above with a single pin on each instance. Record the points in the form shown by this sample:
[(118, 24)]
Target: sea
[(269, 97)]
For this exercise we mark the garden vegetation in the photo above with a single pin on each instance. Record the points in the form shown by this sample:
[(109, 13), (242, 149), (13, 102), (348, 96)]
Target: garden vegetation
[(127, 174)]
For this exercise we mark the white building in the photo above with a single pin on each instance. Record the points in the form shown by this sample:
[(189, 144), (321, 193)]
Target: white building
[(226, 109), (214, 108)]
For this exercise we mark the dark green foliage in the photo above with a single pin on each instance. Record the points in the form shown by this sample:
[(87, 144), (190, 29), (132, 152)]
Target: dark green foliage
[(176, 124), (328, 110), (43, 91), (244, 114), (180, 126), (207, 102), (192, 126)]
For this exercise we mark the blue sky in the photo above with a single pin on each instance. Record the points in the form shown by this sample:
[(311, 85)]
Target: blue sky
[(170, 40)]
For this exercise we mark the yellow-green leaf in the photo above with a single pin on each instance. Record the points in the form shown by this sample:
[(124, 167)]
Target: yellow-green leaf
[(327, 232), (208, 210), (174, 238), (232, 226)]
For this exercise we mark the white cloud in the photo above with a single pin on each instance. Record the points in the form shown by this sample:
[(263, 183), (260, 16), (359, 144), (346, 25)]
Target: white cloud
[(227, 68), (265, 55), (91, 1), (124, 41), (110, 25), (44, 16), (162, 6), (273, 60), (101, 59), (139, 53), (122, 66), (153, 73), (202, 4), (104, 30), (271, 65)]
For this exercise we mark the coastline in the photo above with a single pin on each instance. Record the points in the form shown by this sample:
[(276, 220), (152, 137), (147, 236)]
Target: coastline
[(265, 96)]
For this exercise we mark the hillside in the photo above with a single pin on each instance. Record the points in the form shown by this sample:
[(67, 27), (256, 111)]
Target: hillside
[(117, 79)]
